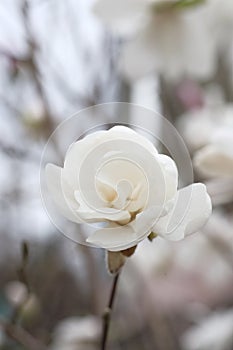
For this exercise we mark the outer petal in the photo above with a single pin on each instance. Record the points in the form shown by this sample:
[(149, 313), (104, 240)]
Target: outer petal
[(170, 175), (75, 155), (122, 16), (125, 133), (116, 237), (105, 214), (192, 208), (79, 150), (212, 161), (61, 193)]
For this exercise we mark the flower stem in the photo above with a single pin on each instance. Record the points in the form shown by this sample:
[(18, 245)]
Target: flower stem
[(108, 312)]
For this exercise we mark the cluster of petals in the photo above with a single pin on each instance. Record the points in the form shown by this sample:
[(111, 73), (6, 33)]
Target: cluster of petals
[(118, 178)]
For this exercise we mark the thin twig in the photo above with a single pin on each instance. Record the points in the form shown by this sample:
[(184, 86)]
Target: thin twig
[(108, 312)]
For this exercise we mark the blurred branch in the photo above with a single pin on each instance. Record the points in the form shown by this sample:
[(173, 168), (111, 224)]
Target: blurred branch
[(11, 327), (21, 336), (9, 105), (22, 278), (17, 153), (34, 69)]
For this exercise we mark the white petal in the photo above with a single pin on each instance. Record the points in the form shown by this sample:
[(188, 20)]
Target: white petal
[(107, 193), (125, 133), (138, 198), (170, 175), (79, 151), (191, 210), (105, 214), (124, 190), (144, 221), (212, 161), (122, 16), (61, 193), (114, 238), (76, 154)]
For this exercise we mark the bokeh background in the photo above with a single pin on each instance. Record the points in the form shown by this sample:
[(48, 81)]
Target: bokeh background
[(58, 57)]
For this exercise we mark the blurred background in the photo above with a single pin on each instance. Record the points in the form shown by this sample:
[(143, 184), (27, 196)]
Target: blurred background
[(58, 57)]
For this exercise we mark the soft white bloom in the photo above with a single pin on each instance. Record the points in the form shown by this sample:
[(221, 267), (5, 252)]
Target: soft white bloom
[(118, 178), (210, 131), (220, 17), (216, 159), (168, 38), (77, 333), (213, 333)]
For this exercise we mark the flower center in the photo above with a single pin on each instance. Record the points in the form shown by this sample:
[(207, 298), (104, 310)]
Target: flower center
[(122, 185)]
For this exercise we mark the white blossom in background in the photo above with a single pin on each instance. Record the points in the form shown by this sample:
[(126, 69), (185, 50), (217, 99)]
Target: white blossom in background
[(209, 132), (220, 16), (213, 333), (216, 159), (118, 178), (77, 333), (169, 37)]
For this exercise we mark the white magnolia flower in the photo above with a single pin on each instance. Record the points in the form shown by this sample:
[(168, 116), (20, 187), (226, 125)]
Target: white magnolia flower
[(118, 178), (213, 333), (170, 37), (209, 132)]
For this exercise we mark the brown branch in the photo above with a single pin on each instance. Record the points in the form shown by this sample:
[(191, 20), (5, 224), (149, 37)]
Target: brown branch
[(108, 312)]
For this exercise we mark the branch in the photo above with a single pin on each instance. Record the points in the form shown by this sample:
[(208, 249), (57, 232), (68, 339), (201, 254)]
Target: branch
[(108, 312), (21, 336)]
